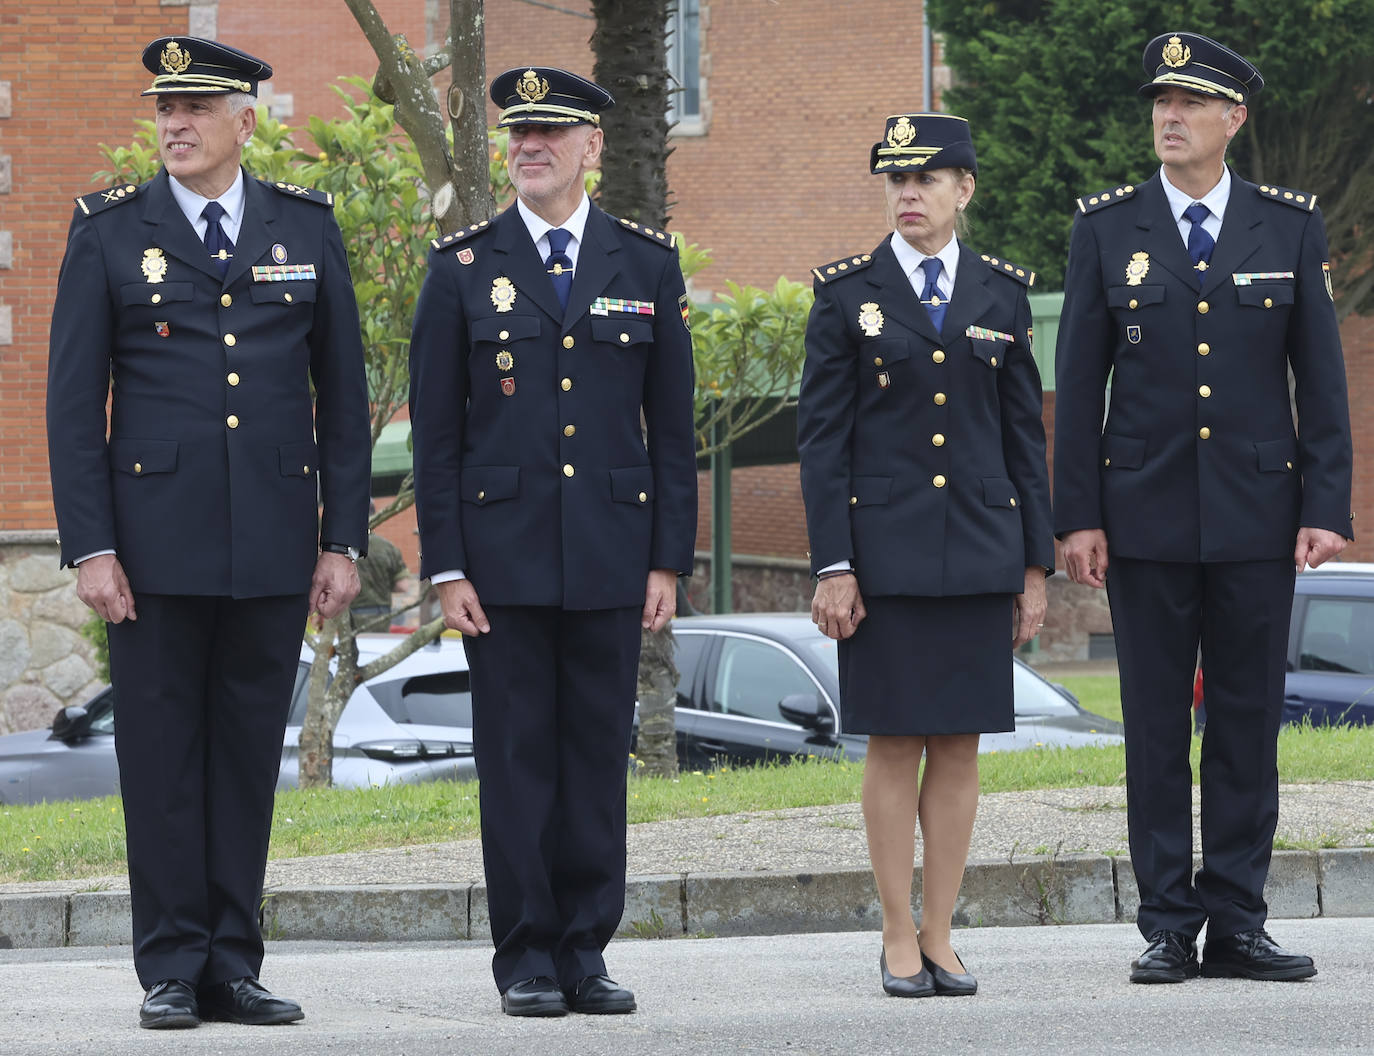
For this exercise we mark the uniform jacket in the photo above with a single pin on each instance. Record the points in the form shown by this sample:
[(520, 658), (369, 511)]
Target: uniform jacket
[(1198, 459), (923, 453), (217, 457), (532, 473)]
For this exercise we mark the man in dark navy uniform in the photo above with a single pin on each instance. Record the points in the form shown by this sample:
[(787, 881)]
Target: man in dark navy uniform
[(208, 302), (1200, 291), (547, 341)]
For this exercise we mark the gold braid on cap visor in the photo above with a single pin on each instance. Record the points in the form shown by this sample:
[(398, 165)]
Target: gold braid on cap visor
[(552, 113), (904, 157), (1198, 84), (198, 82)]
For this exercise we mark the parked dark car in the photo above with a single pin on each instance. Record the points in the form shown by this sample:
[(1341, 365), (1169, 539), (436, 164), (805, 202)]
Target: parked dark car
[(1330, 676), (758, 686)]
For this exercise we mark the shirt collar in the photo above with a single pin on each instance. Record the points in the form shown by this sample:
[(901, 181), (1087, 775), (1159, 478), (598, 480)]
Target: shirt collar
[(192, 204), (538, 227), (909, 258), (1215, 200)]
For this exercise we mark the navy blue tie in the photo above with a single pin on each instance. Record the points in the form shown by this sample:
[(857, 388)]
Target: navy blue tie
[(1200, 243), (930, 296), (216, 241), (560, 265)]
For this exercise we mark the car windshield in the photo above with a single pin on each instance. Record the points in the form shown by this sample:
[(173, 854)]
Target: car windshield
[(443, 699)]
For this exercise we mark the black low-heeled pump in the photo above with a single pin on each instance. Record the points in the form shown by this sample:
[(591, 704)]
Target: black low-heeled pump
[(918, 985), (950, 984)]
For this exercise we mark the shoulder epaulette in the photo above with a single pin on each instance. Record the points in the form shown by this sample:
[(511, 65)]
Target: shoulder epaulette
[(458, 236), (98, 201), (1110, 196), (1003, 267), (297, 191), (662, 237), (1297, 199), (843, 266)]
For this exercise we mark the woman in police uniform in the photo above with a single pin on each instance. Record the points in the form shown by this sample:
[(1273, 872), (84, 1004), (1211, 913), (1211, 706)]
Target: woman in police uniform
[(927, 505)]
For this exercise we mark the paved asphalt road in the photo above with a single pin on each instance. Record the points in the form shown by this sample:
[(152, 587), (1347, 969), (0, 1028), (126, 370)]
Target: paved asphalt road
[(1060, 991)]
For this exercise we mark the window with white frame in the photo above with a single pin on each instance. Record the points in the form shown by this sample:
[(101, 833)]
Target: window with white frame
[(684, 67)]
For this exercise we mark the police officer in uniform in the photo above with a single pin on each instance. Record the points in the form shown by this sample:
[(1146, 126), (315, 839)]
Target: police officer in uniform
[(546, 342), (1197, 498), (209, 302)]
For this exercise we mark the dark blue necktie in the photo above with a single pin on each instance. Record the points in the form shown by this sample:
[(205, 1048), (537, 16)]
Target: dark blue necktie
[(930, 296), (1200, 243), (216, 241), (560, 265)]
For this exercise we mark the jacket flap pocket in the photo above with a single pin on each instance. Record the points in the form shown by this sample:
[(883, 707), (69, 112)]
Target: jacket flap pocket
[(282, 292), (632, 484), (887, 349), (504, 328), (1134, 296), (870, 491), (998, 491), (1123, 452), (138, 458), (623, 332), (993, 353), (156, 292), (299, 459), (483, 484), (1265, 295), (1276, 456)]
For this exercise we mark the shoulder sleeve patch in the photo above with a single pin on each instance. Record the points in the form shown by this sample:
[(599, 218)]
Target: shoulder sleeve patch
[(459, 236), (1004, 267), (292, 190), (98, 201), (661, 237), (836, 268), (1297, 199), (1110, 196)]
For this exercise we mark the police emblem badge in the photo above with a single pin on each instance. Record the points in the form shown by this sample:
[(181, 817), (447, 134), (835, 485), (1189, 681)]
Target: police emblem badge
[(154, 265), (1137, 268), (466, 256), (902, 133), (162, 329), (502, 294), (871, 319), (508, 386), (1176, 53), (531, 87), (1133, 334), (279, 253), (504, 360), (174, 59), (884, 379)]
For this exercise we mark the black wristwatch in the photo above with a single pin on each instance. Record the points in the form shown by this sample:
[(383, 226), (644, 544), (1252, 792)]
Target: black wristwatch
[(350, 552)]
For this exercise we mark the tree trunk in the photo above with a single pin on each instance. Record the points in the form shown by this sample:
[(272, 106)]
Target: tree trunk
[(467, 111)]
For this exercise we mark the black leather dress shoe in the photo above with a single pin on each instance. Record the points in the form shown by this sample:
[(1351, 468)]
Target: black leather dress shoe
[(950, 984), (539, 996), (1253, 955), (247, 1001), (599, 995), (168, 1005), (1171, 957), (918, 985)]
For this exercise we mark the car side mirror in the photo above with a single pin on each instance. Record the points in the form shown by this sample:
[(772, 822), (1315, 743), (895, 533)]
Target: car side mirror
[(70, 723), (807, 711)]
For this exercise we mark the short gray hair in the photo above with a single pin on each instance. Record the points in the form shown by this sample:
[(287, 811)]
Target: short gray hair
[(241, 101)]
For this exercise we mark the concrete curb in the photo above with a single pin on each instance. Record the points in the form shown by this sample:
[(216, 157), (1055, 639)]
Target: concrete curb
[(1068, 889)]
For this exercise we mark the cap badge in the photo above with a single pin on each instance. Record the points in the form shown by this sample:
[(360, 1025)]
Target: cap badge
[(502, 293), (174, 60), (1137, 268), (279, 253), (504, 360), (154, 265), (871, 319), (1176, 53), (531, 87), (902, 134)]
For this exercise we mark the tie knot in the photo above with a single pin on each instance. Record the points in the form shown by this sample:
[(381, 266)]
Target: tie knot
[(558, 240), (212, 212), (931, 266), (1196, 213)]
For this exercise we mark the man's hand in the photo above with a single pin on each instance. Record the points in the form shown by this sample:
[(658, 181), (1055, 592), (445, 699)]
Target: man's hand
[(1315, 545), (837, 609), (1085, 556), (1030, 608), (101, 584), (462, 611), (660, 598), (333, 586)]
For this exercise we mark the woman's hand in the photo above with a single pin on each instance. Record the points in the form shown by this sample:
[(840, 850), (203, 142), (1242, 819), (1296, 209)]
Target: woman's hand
[(1030, 608), (837, 609)]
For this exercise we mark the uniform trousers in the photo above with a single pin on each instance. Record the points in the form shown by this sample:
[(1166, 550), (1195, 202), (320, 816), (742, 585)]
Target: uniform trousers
[(553, 696), (202, 687), (1238, 611)]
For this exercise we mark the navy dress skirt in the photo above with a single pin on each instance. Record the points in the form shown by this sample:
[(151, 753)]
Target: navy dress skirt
[(929, 665)]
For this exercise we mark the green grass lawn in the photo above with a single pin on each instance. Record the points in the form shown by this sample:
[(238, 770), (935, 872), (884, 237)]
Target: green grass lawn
[(86, 838)]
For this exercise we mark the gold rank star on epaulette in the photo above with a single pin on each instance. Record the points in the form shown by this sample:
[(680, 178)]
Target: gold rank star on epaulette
[(843, 266), (99, 200), (1022, 275), (294, 190), (1108, 197), (1297, 199), (457, 236), (661, 237)]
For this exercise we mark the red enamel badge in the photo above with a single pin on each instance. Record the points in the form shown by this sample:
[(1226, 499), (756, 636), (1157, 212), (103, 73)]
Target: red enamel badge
[(508, 386)]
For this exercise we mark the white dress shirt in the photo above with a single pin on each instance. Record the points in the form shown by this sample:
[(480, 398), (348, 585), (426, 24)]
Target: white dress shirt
[(1215, 200)]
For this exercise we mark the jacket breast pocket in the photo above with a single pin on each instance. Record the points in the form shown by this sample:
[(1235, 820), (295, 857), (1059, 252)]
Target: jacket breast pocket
[(482, 485), (1132, 297), (1122, 452), (1265, 295), (623, 332), (883, 352), (633, 484), (282, 292), (140, 458), (155, 292), (503, 329), (990, 353)]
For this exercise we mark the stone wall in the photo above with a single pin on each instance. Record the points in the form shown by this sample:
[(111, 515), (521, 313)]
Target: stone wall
[(45, 663)]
